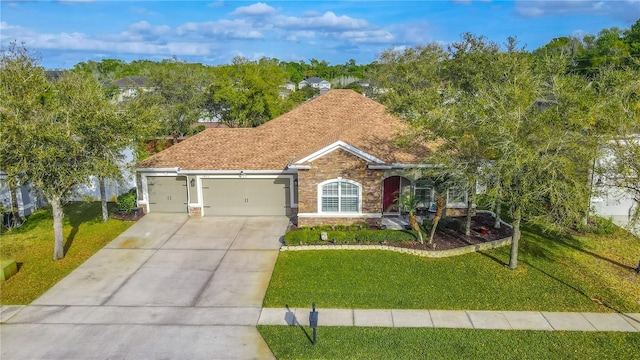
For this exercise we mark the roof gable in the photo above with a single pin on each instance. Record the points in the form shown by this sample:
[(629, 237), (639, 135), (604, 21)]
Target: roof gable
[(342, 146)]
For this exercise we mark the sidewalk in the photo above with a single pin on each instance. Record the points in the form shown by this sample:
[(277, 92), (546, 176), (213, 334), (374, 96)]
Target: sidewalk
[(470, 319)]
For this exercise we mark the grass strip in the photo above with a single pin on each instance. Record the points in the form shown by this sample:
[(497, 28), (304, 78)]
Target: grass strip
[(292, 342)]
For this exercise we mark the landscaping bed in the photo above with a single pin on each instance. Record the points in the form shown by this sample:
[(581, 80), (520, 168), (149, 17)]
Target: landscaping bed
[(449, 235)]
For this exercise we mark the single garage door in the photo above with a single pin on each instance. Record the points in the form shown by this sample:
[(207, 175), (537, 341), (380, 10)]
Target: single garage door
[(246, 197), (167, 194)]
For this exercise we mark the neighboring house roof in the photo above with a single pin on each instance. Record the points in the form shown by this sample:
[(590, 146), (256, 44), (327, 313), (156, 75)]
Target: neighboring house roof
[(54, 74), (131, 81), (341, 117)]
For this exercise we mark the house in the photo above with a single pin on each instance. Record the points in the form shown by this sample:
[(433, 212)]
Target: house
[(287, 88), (333, 160), (315, 82), (24, 197), (609, 199), (129, 86)]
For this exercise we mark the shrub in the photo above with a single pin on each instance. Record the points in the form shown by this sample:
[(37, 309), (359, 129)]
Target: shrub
[(599, 226), (312, 236), (127, 201)]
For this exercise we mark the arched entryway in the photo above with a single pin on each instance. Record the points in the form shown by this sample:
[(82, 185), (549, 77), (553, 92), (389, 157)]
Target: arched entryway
[(392, 187)]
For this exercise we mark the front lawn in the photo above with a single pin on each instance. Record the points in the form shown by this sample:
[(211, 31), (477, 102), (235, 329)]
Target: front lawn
[(292, 342), (556, 273), (32, 247)]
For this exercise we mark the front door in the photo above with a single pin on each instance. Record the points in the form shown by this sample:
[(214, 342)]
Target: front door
[(391, 190)]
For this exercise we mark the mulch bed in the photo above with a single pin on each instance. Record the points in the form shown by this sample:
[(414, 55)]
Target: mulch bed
[(135, 215), (482, 231)]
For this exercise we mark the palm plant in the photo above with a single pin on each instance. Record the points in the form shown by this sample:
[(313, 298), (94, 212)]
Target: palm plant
[(409, 203)]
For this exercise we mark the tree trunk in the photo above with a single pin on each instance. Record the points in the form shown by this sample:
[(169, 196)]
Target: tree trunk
[(58, 214), (497, 223), (103, 198), (436, 219), (415, 226), (513, 257), (467, 226)]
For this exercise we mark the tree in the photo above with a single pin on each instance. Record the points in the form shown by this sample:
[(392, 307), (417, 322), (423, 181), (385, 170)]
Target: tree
[(246, 93), (51, 131), (409, 203), (619, 164), (438, 92), (497, 115), (543, 147), (176, 89)]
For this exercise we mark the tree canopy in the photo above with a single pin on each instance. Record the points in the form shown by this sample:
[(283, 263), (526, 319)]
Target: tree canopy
[(55, 134)]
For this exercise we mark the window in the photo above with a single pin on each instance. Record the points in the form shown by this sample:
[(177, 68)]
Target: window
[(423, 191), (456, 196), (340, 196)]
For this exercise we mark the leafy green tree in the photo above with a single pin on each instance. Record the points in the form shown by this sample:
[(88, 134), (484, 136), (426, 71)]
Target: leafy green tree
[(176, 88), (544, 146), (51, 131), (619, 164), (246, 93)]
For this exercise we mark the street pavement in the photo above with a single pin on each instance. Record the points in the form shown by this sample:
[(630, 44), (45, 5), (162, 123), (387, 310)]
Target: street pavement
[(170, 287)]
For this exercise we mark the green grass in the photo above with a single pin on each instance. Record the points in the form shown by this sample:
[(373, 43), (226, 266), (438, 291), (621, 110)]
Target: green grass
[(292, 342), (556, 273), (32, 247)]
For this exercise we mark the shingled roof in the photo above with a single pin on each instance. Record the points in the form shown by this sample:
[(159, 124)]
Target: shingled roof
[(338, 115)]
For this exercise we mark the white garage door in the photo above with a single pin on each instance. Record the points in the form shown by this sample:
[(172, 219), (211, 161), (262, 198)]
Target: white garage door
[(167, 194), (246, 197)]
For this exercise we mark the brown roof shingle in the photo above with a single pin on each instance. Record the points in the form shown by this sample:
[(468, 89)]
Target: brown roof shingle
[(337, 115)]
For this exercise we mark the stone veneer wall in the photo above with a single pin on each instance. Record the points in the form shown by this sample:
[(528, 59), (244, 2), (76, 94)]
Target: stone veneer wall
[(195, 211), (339, 163)]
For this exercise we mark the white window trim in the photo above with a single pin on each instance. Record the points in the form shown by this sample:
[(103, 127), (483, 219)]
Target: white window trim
[(319, 194), (432, 195), (457, 204)]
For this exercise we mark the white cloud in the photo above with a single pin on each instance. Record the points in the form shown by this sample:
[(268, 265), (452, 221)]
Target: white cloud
[(627, 10), (229, 29), (374, 36), (216, 4), (257, 9), (296, 35), (125, 43), (328, 21)]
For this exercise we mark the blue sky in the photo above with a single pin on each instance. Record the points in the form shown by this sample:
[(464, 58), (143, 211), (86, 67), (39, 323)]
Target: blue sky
[(213, 32)]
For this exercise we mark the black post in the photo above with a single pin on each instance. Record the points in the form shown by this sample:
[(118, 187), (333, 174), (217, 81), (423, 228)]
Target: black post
[(313, 321)]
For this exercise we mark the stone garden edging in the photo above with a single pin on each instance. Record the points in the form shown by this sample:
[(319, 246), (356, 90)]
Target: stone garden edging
[(424, 253)]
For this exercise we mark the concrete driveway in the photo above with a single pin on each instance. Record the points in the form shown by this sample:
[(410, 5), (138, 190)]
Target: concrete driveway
[(170, 287)]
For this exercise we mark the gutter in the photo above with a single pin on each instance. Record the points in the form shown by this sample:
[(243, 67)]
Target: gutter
[(173, 169), (403, 166)]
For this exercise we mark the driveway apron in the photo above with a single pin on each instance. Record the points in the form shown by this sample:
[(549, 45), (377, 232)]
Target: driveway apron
[(170, 287)]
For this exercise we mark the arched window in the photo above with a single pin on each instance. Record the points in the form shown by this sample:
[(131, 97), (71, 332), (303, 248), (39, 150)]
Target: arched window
[(339, 196)]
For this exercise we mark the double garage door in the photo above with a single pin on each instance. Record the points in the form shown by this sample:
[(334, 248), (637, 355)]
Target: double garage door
[(246, 197), (243, 197)]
